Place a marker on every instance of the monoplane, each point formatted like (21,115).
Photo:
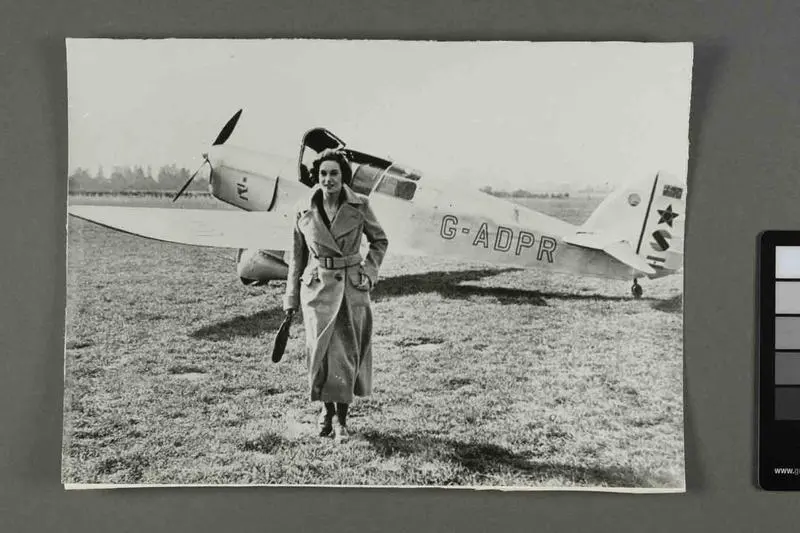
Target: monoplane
(636,232)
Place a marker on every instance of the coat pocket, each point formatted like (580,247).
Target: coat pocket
(311,288)
(355,274)
(309,276)
(358,295)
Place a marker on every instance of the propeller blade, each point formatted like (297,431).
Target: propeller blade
(227,129)
(189,181)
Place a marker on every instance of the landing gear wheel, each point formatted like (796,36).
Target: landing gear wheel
(636,290)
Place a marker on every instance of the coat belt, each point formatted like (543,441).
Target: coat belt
(335,263)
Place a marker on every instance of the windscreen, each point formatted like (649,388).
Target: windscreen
(399,182)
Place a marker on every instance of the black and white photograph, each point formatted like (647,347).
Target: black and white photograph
(360,263)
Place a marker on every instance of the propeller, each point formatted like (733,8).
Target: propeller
(189,181)
(224,133)
(227,129)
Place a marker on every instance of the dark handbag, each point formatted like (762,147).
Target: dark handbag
(279,345)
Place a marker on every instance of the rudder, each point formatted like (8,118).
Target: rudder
(648,214)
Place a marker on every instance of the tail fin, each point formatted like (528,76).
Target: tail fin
(650,215)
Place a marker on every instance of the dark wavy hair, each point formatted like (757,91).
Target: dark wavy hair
(333,155)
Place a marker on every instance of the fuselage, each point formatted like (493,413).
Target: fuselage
(420,217)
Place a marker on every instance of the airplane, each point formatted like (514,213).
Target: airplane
(636,232)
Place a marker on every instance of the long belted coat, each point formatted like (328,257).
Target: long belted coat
(336,313)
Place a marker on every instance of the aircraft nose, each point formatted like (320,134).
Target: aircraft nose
(212,163)
(211,177)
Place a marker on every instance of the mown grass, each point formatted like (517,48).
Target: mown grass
(483,376)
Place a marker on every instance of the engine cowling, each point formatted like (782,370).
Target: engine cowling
(258,267)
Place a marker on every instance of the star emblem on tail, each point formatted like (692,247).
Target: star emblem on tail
(667,215)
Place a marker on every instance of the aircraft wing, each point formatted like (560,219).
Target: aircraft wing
(619,250)
(198,227)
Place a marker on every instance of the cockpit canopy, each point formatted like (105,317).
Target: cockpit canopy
(370,173)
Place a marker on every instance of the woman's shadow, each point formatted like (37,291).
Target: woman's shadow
(253,325)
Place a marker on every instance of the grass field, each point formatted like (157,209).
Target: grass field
(483,376)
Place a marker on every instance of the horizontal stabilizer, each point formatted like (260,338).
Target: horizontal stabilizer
(619,250)
(197,227)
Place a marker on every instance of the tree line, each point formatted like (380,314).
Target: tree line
(522,193)
(135,178)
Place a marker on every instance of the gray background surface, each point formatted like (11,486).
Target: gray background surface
(743,178)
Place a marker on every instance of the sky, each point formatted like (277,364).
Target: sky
(505,114)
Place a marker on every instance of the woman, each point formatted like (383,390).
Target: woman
(331,281)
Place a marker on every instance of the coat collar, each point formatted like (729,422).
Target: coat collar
(350,197)
(348,218)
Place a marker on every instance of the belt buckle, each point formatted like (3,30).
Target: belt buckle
(329,262)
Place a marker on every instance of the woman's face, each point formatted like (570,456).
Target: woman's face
(330,178)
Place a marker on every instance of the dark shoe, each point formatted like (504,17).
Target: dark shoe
(325,425)
(340,433)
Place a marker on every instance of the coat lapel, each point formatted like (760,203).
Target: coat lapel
(347,219)
(315,229)
(349,216)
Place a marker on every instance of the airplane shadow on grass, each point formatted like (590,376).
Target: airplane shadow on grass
(490,459)
(449,285)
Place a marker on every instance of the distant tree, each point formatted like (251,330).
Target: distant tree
(168,177)
(134,178)
(118,181)
(80,180)
(143,182)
